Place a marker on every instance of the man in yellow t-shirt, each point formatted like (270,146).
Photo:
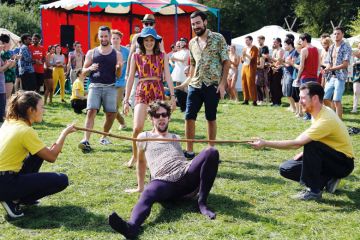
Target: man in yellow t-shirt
(328,153)
(78,98)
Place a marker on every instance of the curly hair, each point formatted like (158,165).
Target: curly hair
(156,105)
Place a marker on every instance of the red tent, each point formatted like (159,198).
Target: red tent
(67,21)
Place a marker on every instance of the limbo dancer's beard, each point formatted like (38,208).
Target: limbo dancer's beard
(162,128)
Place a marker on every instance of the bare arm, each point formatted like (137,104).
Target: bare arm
(131,51)
(169,81)
(119,64)
(300,141)
(51,154)
(129,84)
(88,64)
(303,56)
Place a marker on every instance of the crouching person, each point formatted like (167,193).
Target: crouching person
(328,153)
(22,154)
(78,97)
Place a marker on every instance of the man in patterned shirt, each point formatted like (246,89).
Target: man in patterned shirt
(209,66)
(337,60)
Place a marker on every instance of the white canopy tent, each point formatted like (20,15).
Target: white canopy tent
(14,39)
(269,32)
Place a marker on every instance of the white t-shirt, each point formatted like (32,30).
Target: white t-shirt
(178,74)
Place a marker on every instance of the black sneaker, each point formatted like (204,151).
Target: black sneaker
(246,102)
(332,184)
(189,155)
(85,146)
(12,209)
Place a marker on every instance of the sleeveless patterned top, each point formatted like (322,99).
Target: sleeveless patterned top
(149,65)
(165,160)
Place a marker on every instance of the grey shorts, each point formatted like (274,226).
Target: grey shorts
(105,95)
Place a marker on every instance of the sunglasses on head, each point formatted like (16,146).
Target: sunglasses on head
(157,115)
(148,23)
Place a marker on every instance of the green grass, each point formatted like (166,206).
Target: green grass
(249,196)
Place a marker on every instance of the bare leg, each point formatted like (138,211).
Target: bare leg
(338,108)
(9,89)
(109,120)
(119,117)
(292,104)
(139,120)
(212,131)
(89,122)
(190,133)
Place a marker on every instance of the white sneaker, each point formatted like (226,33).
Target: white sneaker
(353,111)
(122,126)
(105,141)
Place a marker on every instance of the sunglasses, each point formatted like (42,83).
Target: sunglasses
(149,24)
(157,115)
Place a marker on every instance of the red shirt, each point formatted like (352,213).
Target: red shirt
(311,64)
(38,53)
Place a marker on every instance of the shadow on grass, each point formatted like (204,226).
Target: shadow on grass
(49,125)
(220,204)
(73,218)
(249,165)
(241,177)
(351,205)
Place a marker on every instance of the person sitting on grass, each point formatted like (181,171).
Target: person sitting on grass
(172,176)
(22,154)
(78,97)
(328,153)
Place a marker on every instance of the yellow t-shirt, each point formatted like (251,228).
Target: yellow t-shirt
(17,140)
(330,130)
(77,85)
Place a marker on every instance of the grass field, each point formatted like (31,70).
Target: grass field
(250,198)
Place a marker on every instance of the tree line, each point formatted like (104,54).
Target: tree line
(237,16)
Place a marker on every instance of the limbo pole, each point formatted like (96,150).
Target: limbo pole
(161,139)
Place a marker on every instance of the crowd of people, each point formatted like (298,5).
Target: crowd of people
(195,73)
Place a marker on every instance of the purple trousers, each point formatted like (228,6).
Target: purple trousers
(201,174)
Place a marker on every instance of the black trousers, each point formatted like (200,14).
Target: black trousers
(275,86)
(78,105)
(181,97)
(28,81)
(29,185)
(318,165)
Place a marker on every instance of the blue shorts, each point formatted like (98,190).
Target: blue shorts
(197,96)
(334,88)
(107,96)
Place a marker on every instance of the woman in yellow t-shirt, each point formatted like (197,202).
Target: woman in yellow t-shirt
(78,97)
(22,154)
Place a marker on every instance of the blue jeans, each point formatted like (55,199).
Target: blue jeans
(29,185)
(334,89)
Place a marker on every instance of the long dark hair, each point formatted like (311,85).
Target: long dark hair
(19,103)
(156,49)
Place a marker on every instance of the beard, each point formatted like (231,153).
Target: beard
(200,31)
(162,127)
(104,43)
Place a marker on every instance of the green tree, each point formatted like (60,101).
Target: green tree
(355,25)
(19,20)
(315,16)
(244,16)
